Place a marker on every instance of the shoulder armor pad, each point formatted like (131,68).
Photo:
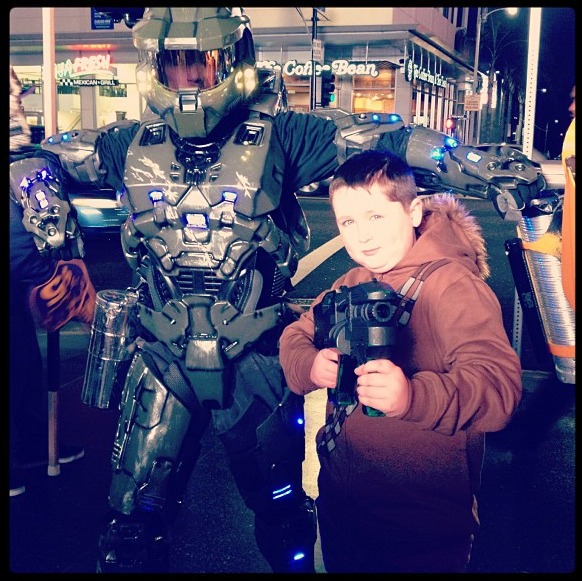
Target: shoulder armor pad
(272,96)
(361,131)
(47,213)
(77,152)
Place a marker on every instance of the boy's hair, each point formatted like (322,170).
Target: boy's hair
(362,170)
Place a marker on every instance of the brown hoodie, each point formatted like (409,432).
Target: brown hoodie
(417,475)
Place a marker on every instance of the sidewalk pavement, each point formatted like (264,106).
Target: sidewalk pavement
(527,500)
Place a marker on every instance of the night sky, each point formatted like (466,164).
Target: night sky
(556,73)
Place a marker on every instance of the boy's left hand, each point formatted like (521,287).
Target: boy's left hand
(383,386)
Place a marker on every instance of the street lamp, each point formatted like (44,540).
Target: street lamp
(482,16)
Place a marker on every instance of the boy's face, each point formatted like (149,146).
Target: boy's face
(377,233)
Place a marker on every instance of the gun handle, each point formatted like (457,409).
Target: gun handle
(345,386)
(385,353)
(372,412)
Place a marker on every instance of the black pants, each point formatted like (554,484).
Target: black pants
(349,545)
(28,403)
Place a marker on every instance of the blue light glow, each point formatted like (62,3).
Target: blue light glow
(438,153)
(300,421)
(394,118)
(41,199)
(66,136)
(156,196)
(298,556)
(196,221)
(229,196)
(281,492)
(451,142)
(375,117)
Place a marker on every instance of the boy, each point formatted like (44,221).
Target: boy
(397,493)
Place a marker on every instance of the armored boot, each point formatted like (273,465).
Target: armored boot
(134,544)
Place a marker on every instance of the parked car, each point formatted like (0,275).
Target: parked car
(99,210)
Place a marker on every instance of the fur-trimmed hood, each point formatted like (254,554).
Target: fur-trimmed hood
(448,229)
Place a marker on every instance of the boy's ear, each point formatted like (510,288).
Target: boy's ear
(416,212)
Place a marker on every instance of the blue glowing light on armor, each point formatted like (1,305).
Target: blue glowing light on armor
(474,157)
(451,142)
(299,556)
(394,118)
(438,153)
(281,492)
(40,197)
(229,196)
(196,221)
(375,117)
(66,136)
(300,421)
(156,196)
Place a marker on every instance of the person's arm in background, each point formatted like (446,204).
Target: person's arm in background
(58,290)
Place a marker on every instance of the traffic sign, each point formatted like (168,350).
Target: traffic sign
(317,47)
(473,102)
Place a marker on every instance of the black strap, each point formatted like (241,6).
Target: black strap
(410,290)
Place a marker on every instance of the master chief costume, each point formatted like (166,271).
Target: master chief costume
(214,236)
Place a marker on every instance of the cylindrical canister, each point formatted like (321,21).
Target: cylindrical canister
(113,330)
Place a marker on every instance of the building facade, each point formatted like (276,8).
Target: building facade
(390,60)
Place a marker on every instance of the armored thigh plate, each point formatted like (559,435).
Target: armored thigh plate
(148,443)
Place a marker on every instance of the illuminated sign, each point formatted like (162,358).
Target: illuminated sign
(338,67)
(87,71)
(414,72)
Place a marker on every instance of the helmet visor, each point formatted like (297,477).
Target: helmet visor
(192,69)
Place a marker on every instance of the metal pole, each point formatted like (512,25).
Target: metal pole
(53,366)
(49,93)
(312,83)
(535,18)
(477,116)
(49,84)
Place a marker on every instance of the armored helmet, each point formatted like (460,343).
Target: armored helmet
(196,65)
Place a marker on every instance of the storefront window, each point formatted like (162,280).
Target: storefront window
(375,94)
(120,101)
(297,92)
(68,100)
(113,91)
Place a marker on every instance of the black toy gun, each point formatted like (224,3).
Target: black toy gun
(359,322)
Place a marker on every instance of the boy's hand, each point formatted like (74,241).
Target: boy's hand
(324,368)
(383,386)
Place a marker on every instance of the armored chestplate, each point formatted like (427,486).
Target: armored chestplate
(202,237)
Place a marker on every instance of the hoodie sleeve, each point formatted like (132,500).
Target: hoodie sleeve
(297,352)
(468,374)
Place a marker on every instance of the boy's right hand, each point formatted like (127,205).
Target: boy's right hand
(324,369)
